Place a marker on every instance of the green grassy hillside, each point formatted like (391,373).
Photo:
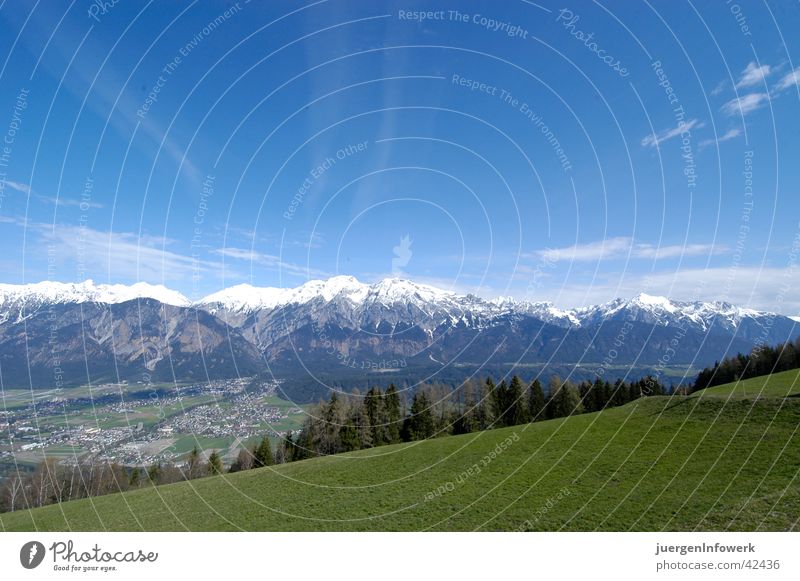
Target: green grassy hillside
(706,463)
(784,384)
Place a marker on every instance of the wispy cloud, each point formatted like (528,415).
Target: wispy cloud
(756,287)
(731,134)
(657,138)
(68,202)
(592,251)
(305,240)
(719,88)
(59,201)
(677,250)
(753,75)
(122,254)
(789,80)
(20,187)
(621,246)
(744,105)
(269,261)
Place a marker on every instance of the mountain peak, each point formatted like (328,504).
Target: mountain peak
(403,285)
(389,292)
(644,299)
(88,291)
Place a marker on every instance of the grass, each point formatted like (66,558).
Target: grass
(784,384)
(682,463)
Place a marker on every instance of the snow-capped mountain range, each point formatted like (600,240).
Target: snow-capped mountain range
(389,293)
(42,293)
(342,324)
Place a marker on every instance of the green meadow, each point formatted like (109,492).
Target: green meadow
(724,459)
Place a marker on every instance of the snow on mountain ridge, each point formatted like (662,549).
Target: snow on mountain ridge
(87,291)
(386,293)
(245,297)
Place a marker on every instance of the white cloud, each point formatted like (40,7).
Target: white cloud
(657,138)
(752,286)
(789,80)
(677,250)
(24,188)
(753,75)
(719,88)
(122,255)
(619,247)
(744,105)
(60,201)
(731,134)
(305,239)
(238,253)
(68,202)
(269,261)
(592,251)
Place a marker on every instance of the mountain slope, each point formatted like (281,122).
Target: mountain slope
(657,463)
(342,330)
(142,339)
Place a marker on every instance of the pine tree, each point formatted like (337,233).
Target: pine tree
(262,454)
(536,401)
(349,437)
(289,447)
(215,464)
(618,396)
(394,419)
(597,396)
(375,416)
(565,398)
(194,465)
(154,473)
(499,401)
(515,408)
(332,419)
(482,411)
(421,423)
(134,479)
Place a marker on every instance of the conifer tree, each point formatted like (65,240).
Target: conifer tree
(421,423)
(215,463)
(289,447)
(482,411)
(194,465)
(262,454)
(535,401)
(332,419)
(565,398)
(394,419)
(375,416)
(499,401)
(515,412)
(154,473)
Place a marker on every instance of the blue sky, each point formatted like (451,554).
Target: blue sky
(547,152)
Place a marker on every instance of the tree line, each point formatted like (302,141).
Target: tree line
(52,482)
(760,361)
(348,422)
(344,423)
